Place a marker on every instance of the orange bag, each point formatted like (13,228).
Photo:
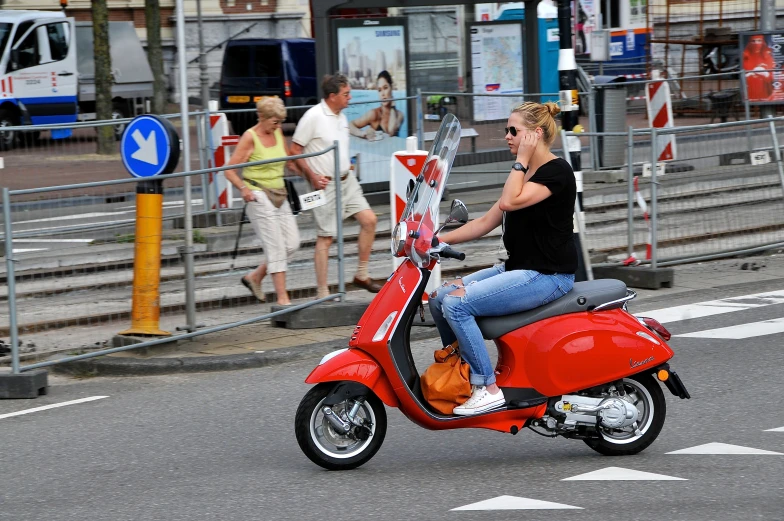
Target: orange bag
(445,384)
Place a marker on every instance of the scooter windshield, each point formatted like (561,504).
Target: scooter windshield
(421,212)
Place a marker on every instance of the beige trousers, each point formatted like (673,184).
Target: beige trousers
(277,229)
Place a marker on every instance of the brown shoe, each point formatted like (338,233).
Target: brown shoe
(254,288)
(367,284)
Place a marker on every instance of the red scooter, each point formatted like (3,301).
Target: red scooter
(580,367)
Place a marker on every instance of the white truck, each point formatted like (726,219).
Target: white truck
(47,72)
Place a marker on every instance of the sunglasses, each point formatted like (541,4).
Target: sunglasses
(510,130)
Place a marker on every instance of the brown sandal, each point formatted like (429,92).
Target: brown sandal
(255,289)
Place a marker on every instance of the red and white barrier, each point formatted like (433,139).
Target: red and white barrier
(632,260)
(659,103)
(219,189)
(406,166)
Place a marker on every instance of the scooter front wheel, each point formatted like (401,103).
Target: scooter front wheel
(331,447)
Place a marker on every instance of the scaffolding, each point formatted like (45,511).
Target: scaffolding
(698,40)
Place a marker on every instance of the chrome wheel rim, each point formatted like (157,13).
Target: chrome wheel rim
(637,395)
(6,136)
(334,444)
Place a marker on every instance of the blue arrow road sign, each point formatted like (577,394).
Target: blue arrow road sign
(150,146)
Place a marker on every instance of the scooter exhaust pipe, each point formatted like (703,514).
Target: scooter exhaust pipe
(336,421)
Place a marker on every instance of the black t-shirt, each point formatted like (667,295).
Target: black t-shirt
(541,237)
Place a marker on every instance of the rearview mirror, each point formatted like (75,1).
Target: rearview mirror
(15,56)
(457,213)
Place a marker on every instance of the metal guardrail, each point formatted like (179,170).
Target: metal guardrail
(666,199)
(8,237)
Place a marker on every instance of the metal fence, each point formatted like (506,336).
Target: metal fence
(720,196)
(723,195)
(69,266)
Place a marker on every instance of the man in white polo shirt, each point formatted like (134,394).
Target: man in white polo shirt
(318,128)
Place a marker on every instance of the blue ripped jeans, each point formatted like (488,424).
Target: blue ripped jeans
(490,292)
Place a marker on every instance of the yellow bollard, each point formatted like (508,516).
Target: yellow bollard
(146,309)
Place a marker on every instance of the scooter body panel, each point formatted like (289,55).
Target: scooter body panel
(568,353)
(356,366)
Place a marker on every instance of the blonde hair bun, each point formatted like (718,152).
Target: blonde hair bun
(553,108)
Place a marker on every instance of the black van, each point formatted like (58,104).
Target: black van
(257,67)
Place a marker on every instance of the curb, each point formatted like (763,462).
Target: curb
(125,366)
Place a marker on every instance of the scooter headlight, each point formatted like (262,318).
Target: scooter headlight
(399,239)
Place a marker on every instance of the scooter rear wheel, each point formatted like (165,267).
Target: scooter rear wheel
(646,394)
(327,447)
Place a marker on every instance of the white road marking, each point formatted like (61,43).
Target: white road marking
(82,241)
(715,307)
(52,406)
(780,429)
(28,250)
(725,448)
(752,329)
(621,474)
(515,503)
(71,216)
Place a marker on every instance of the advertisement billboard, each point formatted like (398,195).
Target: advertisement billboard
(373,54)
(496,67)
(761,58)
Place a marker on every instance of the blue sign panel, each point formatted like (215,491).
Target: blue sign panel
(150,146)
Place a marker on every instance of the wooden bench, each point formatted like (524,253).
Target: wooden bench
(464,132)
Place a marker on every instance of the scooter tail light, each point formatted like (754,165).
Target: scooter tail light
(384,327)
(655,326)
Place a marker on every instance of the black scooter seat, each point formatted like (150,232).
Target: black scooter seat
(584,296)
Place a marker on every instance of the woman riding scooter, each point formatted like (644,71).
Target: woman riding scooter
(536,210)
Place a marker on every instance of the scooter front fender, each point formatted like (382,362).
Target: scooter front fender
(356,366)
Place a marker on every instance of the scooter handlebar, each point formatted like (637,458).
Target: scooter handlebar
(449,253)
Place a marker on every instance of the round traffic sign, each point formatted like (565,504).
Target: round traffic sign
(150,146)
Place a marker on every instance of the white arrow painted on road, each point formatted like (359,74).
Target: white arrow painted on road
(147,153)
(780,429)
(621,474)
(515,503)
(725,448)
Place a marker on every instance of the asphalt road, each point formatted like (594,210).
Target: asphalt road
(221,446)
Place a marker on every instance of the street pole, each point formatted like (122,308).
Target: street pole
(567,84)
(767,23)
(187,254)
(204,78)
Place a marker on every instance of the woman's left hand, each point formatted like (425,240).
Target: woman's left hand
(525,150)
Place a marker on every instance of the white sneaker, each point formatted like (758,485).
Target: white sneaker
(481,400)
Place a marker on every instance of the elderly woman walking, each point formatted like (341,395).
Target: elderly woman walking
(264,191)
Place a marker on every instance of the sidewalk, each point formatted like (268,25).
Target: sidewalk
(264,344)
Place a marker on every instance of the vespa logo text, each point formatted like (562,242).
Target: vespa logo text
(400,281)
(634,364)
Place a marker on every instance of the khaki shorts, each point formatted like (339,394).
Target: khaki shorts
(353,202)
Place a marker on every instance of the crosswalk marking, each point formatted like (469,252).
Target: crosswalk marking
(725,448)
(716,307)
(622,474)
(752,329)
(516,503)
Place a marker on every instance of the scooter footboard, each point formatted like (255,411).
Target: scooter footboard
(354,365)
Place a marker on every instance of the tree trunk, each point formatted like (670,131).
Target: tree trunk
(103,76)
(152,14)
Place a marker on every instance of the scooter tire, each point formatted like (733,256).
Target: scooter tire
(306,414)
(604,446)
